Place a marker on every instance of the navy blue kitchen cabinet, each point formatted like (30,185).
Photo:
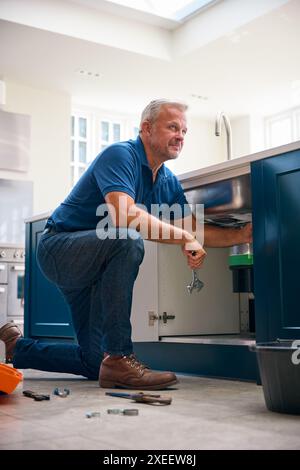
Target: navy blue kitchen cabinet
(276,224)
(46,313)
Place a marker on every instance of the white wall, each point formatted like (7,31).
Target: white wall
(241,136)
(247,135)
(201,148)
(257,133)
(50,142)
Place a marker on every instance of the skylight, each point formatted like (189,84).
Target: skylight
(176,10)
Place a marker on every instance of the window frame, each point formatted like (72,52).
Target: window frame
(294,115)
(94,117)
(111,122)
(75,163)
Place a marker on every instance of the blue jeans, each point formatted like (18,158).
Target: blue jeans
(96,278)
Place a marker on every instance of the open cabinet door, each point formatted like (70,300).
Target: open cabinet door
(144,314)
(276,224)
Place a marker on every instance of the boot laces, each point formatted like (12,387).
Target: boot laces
(133,361)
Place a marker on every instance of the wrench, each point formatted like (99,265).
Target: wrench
(195,282)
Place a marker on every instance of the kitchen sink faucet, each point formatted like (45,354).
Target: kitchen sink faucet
(218,123)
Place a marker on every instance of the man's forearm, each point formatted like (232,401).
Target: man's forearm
(125,213)
(221,237)
(217,237)
(152,228)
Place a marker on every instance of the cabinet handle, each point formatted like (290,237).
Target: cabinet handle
(165,317)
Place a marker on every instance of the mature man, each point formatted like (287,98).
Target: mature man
(83,262)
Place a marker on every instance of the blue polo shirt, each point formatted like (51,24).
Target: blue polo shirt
(123,167)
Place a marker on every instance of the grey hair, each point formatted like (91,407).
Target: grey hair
(152,110)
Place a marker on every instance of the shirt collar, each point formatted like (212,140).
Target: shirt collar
(144,160)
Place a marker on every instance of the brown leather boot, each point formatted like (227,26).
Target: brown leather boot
(129,372)
(9,334)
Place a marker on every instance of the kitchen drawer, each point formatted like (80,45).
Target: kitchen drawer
(3,273)
(15,299)
(3,304)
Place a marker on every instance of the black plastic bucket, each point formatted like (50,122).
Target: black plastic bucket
(279,366)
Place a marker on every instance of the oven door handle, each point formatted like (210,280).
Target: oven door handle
(18,267)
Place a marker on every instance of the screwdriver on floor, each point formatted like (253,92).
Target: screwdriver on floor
(142,398)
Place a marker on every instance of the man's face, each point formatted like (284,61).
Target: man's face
(167,133)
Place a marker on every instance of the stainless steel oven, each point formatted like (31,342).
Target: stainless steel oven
(12,275)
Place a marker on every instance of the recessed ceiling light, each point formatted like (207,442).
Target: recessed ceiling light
(88,73)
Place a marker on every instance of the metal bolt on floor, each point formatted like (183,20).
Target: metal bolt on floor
(92,414)
(126,411)
(61,393)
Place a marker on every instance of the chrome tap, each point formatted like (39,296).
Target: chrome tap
(219,117)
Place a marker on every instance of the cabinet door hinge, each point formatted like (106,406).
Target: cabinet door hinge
(152,317)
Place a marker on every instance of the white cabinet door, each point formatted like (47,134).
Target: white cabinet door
(161,287)
(145,297)
(213,310)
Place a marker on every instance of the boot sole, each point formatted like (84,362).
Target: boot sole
(105,384)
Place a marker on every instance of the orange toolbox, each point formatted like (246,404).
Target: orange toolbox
(9,378)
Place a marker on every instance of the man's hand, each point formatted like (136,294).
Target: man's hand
(195,254)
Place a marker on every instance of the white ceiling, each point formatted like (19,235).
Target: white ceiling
(253,69)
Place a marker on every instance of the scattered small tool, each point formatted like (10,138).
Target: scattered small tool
(92,414)
(195,282)
(35,396)
(61,393)
(141,397)
(126,411)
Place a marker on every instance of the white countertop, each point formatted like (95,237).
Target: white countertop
(218,172)
(35,218)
